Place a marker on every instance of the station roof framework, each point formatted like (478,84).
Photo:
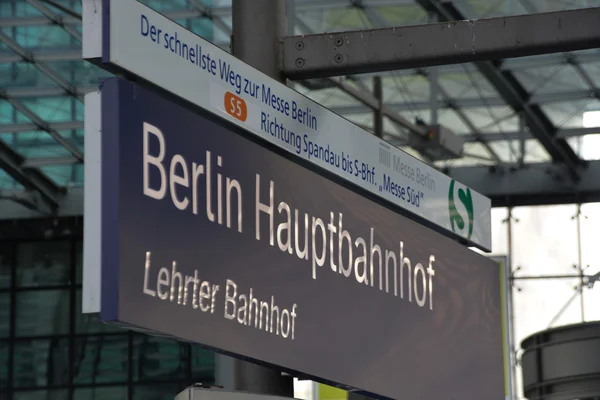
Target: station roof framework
(43,80)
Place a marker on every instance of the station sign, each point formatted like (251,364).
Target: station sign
(209,237)
(128,37)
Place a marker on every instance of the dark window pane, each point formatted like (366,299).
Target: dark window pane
(101,359)
(79,262)
(4,315)
(43,263)
(6,263)
(101,393)
(158,359)
(90,323)
(203,364)
(4,348)
(40,363)
(157,392)
(60,394)
(42,312)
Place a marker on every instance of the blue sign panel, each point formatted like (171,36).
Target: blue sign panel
(211,238)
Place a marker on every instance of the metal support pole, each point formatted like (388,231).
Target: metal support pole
(433,85)
(521,140)
(378,112)
(509,307)
(580,267)
(258,26)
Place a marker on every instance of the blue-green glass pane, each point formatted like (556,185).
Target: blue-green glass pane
(43,37)
(78,174)
(42,312)
(6,112)
(161,5)
(27,75)
(22,9)
(62,175)
(158,359)
(43,263)
(203,364)
(101,393)
(51,109)
(5,70)
(203,27)
(101,359)
(38,144)
(40,363)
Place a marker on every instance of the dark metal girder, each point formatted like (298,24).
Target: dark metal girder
(30,178)
(452,41)
(561,27)
(536,184)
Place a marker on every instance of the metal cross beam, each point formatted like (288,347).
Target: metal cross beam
(30,178)
(450,42)
(537,184)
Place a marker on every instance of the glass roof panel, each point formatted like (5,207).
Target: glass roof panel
(587,147)
(52,109)
(492,119)
(560,5)
(551,79)
(36,144)
(570,114)
(460,84)
(25,75)
(489,8)
(402,14)
(42,37)
(450,119)
(507,151)
(535,152)
(7,112)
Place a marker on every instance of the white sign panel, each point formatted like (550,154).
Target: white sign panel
(151,46)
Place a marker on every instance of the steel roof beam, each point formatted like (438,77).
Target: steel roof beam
(30,127)
(43,125)
(30,178)
(471,102)
(517,135)
(537,184)
(453,41)
(46,91)
(43,56)
(56,18)
(27,56)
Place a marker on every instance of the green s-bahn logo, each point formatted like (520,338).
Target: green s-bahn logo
(456,219)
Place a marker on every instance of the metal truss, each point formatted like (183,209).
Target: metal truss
(31,178)
(535,184)
(454,40)
(570,37)
(494,39)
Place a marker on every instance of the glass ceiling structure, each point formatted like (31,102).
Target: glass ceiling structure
(43,81)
